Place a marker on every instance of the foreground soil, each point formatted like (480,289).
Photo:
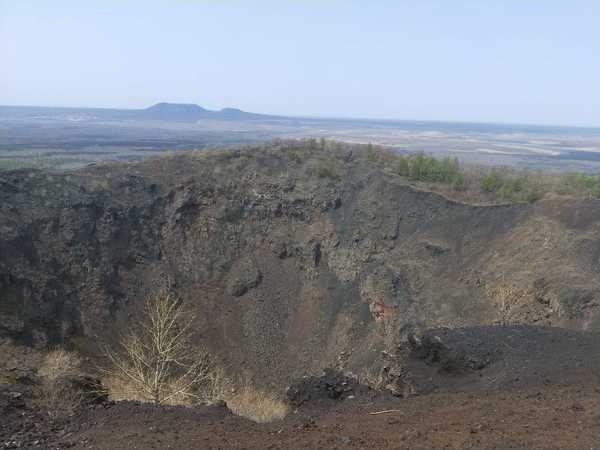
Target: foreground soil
(482,387)
(554,416)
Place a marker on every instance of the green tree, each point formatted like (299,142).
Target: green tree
(491,182)
(402,167)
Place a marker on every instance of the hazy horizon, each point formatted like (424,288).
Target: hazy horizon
(319,117)
(514,63)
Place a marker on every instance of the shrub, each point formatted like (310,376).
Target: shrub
(479,183)
(421,167)
(491,182)
(533,196)
(371,376)
(256,405)
(371,153)
(58,398)
(156,362)
(59,363)
(459,183)
(582,184)
(295,156)
(324,170)
(402,167)
(56,394)
(212,390)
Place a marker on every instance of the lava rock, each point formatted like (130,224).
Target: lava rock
(331,385)
(244,277)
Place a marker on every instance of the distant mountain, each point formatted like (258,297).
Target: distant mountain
(177,111)
(192,112)
(166,112)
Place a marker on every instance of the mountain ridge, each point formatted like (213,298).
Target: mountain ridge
(192,111)
(164,111)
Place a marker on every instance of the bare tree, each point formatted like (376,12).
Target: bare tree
(156,358)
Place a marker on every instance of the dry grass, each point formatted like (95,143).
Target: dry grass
(214,390)
(370,376)
(59,363)
(120,388)
(56,395)
(58,398)
(261,407)
(256,405)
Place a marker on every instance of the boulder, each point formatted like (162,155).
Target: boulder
(242,278)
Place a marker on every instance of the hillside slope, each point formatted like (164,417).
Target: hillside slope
(289,253)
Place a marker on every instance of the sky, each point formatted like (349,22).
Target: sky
(521,61)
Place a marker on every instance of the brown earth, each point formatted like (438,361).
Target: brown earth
(545,417)
(550,417)
(538,388)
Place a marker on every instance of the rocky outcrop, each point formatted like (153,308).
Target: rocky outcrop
(330,385)
(243,277)
(285,265)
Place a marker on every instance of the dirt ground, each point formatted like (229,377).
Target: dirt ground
(554,416)
(550,417)
(540,388)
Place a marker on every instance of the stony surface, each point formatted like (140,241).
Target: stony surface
(538,390)
(548,417)
(289,254)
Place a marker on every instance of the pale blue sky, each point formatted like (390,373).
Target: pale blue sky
(479,60)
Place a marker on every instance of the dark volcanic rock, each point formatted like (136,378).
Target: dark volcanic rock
(331,385)
(434,351)
(495,358)
(343,259)
(243,277)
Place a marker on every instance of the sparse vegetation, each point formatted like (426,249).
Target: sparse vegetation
(256,405)
(481,184)
(12,164)
(371,154)
(36,162)
(330,160)
(325,170)
(59,363)
(156,361)
(421,167)
(370,376)
(55,394)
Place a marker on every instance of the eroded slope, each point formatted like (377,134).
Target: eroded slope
(290,254)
